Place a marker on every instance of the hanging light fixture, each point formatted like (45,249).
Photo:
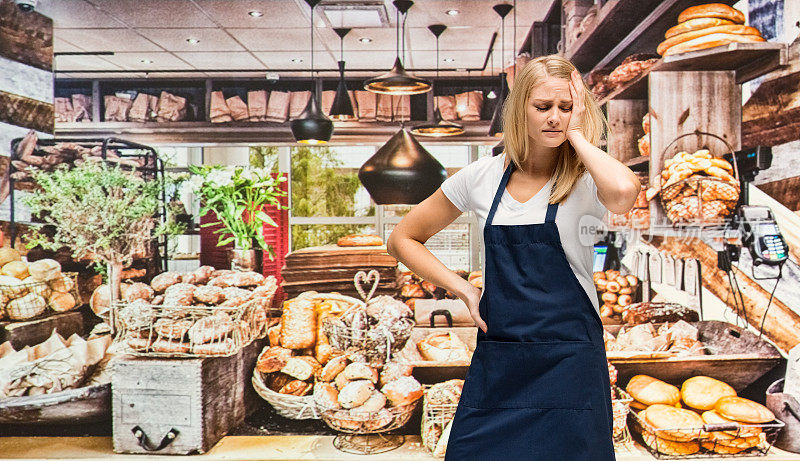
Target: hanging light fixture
(401,172)
(397,81)
(439,128)
(496,128)
(312,126)
(342,108)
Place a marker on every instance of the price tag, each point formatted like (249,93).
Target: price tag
(668,270)
(679,274)
(641,265)
(655,267)
(690,273)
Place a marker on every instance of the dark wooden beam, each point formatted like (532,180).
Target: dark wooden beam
(786,191)
(26,37)
(26,112)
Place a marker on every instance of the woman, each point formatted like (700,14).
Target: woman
(538,386)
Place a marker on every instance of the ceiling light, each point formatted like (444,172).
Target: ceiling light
(312,126)
(496,127)
(397,81)
(342,107)
(146,61)
(439,128)
(448,59)
(256,14)
(297,60)
(365,40)
(491,95)
(193,41)
(453,12)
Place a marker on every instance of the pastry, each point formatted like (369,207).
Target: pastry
(211,328)
(272,359)
(402,391)
(170,346)
(274,335)
(138,344)
(296,387)
(677,424)
(331,369)
(712,10)
(224,347)
(651,391)
(179,294)
(441,444)
(359,240)
(356,371)
(445,393)
(444,347)
(702,392)
(341,381)
(298,324)
(165,280)
(743,410)
(208,294)
(412,290)
(174,329)
(355,393)
(245,279)
(235,296)
(138,290)
(326,396)
(394,370)
(203,274)
(299,368)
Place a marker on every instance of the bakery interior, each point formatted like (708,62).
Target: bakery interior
(196,196)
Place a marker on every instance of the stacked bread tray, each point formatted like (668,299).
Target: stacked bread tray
(331,268)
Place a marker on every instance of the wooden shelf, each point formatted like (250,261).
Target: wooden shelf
(638,163)
(625,27)
(235,133)
(634,89)
(748,60)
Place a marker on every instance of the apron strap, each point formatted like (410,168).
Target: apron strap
(551,213)
(499,194)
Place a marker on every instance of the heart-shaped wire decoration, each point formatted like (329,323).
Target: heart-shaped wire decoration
(362,277)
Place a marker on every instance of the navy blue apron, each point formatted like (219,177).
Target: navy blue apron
(538,386)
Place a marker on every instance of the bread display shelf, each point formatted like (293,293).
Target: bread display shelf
(738,357)
(431,372)
(70,406)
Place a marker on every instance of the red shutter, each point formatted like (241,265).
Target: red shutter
(210,253)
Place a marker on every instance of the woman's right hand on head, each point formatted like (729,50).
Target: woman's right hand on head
(472,298)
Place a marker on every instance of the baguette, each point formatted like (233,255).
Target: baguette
(696,24)
(711,41)
(685,37)
(712,10)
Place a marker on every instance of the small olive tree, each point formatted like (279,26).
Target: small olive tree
(100,212)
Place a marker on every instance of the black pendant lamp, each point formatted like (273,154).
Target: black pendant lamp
(342,108)
(312,126)
(439,128)
(496,128)
(401,172)
(397,81)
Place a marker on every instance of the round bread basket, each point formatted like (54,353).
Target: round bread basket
(286,405)
(385,420)
(691,199)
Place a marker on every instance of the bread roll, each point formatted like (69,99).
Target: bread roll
(272,359)
(332,369)
(165,280)
(9,254)
(441,444)
(16,269)
(444,347)
(702,392)
(341,381)
(676,424)
(173,329)
(170,346)
(26,307)
(695,24)
(720,448)
(44,269)
(356,371)
(61,302)
(374,403)
(224,347)
(712,10)
(711,41)
(743,410)
(298,324)
(274,335)
(299,368)
(651,391)
(403,391)
(685,37)
(355,393)
(394,370)
(296,387)
(326,396)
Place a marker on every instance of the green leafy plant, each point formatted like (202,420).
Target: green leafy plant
(237,195)
(100,212)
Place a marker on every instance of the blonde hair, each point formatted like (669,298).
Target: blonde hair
(515,122)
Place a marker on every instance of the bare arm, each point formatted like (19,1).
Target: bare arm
(406,243)
(617,185)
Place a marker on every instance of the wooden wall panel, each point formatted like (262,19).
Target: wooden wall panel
(25,112)
(26,37)
(625,127)
(786,191)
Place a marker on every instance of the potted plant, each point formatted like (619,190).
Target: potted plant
(100,212)
(237,196)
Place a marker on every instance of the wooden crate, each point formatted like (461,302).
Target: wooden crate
(32,332)
(195,402)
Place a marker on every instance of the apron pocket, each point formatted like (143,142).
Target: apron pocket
(546,375)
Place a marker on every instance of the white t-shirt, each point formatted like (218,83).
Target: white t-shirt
(473,187)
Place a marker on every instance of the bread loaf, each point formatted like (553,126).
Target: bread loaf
(702,392)
(676,424)
(443,347)
(712,10)
(711,41)
(355,393)
(687,36)
(696,24)
(359,240)
(743,410)
(403,391)
(651,391)
(298,324)
(44,269)
(712,417)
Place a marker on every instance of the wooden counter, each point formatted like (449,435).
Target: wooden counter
(260,448)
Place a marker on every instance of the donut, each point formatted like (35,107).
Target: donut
(613,287)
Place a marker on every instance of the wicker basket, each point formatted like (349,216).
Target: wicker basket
(160,331)
(384,420)
(620,407)
(699,200)
(286,405)
(435,414)
(28,300)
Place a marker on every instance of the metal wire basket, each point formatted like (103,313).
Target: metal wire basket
(710,441)
(373,422)
(28,300)
(189,331)
(435,418)
(620,406)
(689,198)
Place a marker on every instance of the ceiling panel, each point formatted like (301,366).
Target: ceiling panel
(107,39)
(229,60)
(283,60)
(159,61)
(463,59)
(277,13)
(368,60)
(76,13)
(175,39)
(83,63)
(60,46)
(275,39)
(156,13)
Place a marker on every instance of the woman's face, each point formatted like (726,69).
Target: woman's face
(549,108)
